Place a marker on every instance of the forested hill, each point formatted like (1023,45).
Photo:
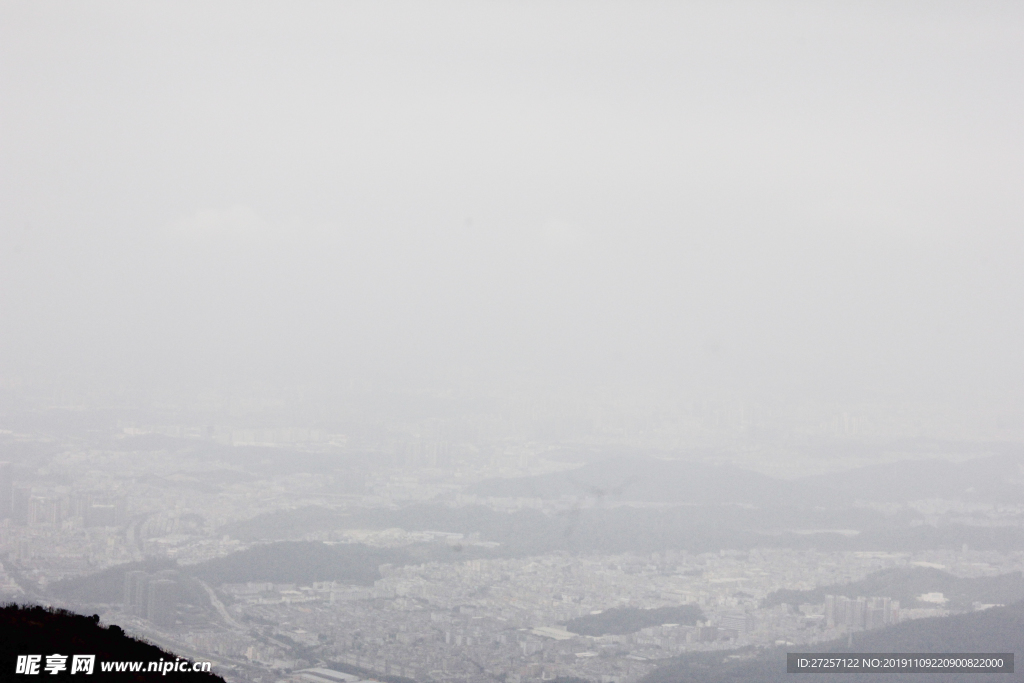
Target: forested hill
(43,631)
(286,562)
(611,530)
(300,561)
(623,620)
(993,478)
(906,584)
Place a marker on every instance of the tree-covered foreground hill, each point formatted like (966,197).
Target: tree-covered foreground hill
(34,630)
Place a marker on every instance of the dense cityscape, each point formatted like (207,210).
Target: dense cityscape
(115,502)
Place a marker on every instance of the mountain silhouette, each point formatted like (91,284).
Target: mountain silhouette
(34,630)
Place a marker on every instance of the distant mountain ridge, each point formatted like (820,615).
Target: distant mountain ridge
(647,479)
(696,528)
(994,478)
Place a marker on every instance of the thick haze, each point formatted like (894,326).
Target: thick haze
(802,199)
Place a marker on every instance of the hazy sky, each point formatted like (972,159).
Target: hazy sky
(814,198)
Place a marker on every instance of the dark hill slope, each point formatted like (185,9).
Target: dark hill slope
(107,586)
(38,630)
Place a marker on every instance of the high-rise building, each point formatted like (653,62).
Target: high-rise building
(879,613)
(20,498)
(78,504)
(161,607)
(838,611)
(860,613)
(860,606)
(45,511)
(6,489)
(136,593)
(100,515)
(830,611)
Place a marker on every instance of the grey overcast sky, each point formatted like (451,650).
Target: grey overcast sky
(811,199)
